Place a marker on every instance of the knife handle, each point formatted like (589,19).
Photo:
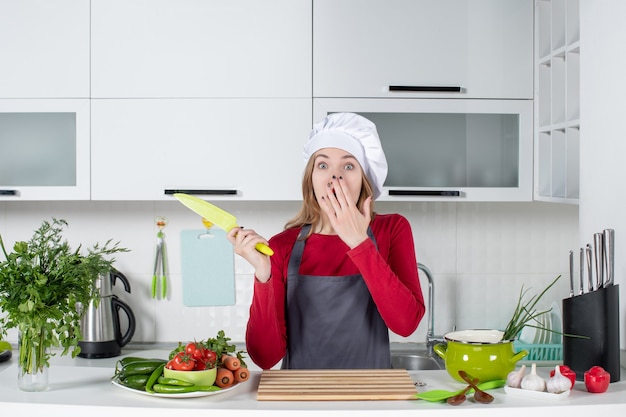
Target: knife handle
(582,271)
(571,273)
(264,249)
(598,244)
(609,253)
(589,269)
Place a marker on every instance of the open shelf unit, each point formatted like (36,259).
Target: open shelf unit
(557,100)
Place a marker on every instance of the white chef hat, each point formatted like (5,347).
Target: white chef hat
(354,134)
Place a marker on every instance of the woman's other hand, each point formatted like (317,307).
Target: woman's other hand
(244,242)
(347,220)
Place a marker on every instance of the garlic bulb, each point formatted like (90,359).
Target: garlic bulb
(558,383)
(514,378)
(533,381)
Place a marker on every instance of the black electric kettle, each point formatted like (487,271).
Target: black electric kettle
(100,324)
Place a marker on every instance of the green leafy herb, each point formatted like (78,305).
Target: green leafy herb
(41,282)
(525,312)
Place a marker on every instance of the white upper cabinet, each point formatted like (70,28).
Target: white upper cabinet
(201,48)
(44,149)
(483,48)
(233,149)
(44,49)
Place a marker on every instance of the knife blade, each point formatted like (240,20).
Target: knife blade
(571,274)
(217,216)
(598,245)
(609,255)
(589,269)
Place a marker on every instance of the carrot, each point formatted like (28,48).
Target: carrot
(230,362)
(241,374)
(225,378)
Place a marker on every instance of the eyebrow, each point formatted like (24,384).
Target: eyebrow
(347,156)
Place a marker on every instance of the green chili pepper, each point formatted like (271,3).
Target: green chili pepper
(139,368)
(154,377)
(135,381)
(171,381)
(177,389)
(131,359)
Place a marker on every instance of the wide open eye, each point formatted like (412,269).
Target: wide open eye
(322,165)
(349,167)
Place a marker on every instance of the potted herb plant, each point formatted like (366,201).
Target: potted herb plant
(41,282)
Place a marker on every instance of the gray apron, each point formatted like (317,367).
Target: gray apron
(332,321)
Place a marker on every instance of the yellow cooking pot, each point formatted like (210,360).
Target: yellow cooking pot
(481,353)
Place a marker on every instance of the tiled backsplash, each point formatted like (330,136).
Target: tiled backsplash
(480,254)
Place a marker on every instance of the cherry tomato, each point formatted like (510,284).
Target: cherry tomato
(194,350)
(183,362)
(200,366)
(597,379)
(210,356)
(566,372)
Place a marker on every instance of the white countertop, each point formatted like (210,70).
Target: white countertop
(84,385)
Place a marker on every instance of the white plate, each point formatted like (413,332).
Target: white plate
(539,323)
(547,326)
(527,334)
(557,325)
(536,395)
(183,395)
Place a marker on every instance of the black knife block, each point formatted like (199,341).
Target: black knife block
(596,315)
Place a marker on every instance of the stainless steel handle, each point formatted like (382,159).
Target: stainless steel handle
(589,268)
(582,272)
(609,255)
(571,273)
(598,245)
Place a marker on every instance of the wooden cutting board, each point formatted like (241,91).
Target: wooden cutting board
(336,385)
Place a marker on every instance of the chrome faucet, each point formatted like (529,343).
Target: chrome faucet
(431,339)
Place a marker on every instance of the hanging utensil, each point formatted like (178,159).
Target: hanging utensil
(598,245)
(609,255)
(159,276)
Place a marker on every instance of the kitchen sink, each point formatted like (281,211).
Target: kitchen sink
(413,362)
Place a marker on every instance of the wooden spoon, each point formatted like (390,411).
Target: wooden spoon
(479,395)
(460,397)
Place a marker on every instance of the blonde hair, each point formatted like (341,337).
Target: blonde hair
(310,212)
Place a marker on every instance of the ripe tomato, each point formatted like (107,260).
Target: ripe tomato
(210,356)
(183,362)
(195,350)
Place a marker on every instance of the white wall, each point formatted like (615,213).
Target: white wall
(603,142)
(479,253)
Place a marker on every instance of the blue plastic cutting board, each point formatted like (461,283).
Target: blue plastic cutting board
(208,268)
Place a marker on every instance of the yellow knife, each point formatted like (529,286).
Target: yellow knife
(217,216)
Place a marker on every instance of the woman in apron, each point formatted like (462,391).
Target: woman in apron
(341,275)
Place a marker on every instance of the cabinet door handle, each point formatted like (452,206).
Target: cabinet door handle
(427,193)
(9,193)
(426,88)
(201,192)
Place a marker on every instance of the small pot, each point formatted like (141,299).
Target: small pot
(481,353)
